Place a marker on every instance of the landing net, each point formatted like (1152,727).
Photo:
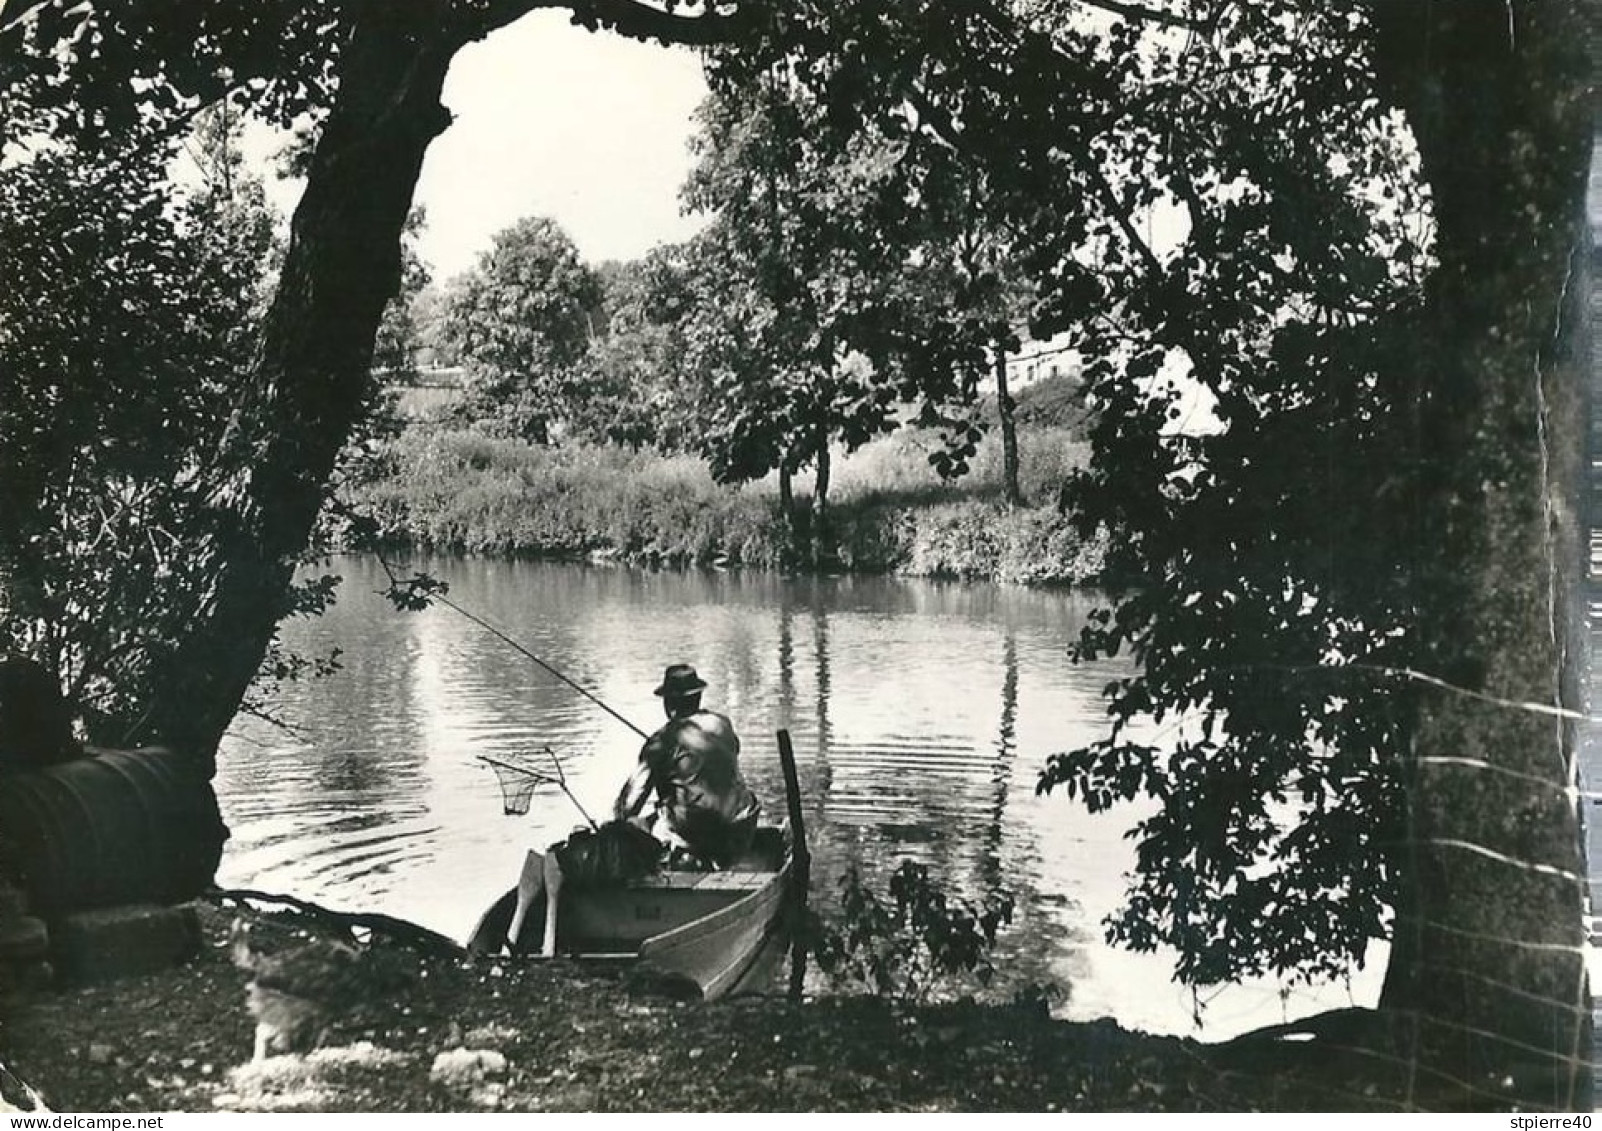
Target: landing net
(519,777)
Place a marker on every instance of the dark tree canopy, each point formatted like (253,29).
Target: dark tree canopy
(127,322)
(1212,206)
(1282,207)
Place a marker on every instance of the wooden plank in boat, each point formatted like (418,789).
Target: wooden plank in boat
(708,881)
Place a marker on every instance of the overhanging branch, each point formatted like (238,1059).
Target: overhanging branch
(700,24)
(713,24)
(1141,12)
(15,16)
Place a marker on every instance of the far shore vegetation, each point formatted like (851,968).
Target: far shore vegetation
(447,486)
(686,409)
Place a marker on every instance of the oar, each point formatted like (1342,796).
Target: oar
(800,867)
(529,885)
(553,896)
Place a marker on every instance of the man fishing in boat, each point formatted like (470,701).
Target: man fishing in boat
(707,905)
(691,765)
(704,819)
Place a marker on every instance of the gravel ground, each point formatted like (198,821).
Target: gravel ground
(479,1035)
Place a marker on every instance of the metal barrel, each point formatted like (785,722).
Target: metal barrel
(118,827)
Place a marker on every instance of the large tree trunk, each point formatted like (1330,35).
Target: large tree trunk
(1488,952)
(311,374)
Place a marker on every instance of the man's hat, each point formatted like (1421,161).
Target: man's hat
(680,680)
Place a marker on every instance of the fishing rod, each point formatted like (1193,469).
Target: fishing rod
(432,590)
(504,638)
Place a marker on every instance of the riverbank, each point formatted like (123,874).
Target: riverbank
(456,491)
(492,1036)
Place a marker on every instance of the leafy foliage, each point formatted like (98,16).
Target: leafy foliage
(908,945)
(521,322)
(805,287)
(1265,595)
(636,379)
(126,325)
(130,78)
(415,593)
(1215,204)
(131,323)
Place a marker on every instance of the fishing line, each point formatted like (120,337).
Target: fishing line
(504,638)
(436,595)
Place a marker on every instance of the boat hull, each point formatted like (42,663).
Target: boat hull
(719,933)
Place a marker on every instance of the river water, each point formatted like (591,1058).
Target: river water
(922,713)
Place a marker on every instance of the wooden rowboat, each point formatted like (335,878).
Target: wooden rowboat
(716,932)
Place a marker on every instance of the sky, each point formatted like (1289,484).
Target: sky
(587,128)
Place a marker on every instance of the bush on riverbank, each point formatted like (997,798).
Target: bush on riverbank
(463,492)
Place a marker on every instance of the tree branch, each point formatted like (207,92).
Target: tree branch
(637,19)
(942,127)
(644,21)
(1141,12)
(945,129)
(17,17)
(1120,214)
